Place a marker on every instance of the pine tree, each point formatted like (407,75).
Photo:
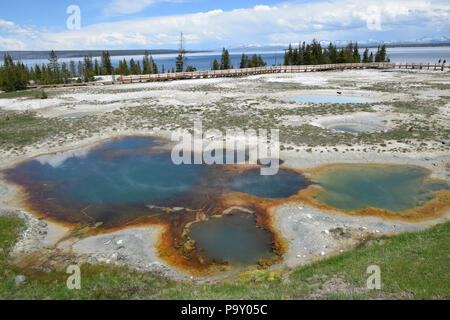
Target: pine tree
(134,69)
(243,64)
(300,54)
(13,76)
(356,56)
(123,68)
(215,65)
(332,53)
(96,67)
(80,69)
(88,69)
(146,69)
(307,58)
(348,53)
(37,76)
(225,62)
(106,65)
(45,75)
(313,53)
(153,66)
(383,53)
(295,57)
(377,55)
(53,68)
(180,59)
(179,62)
(366,56)
(261,62)
(288,56)
(316,53)
(73,71)
(341,58)
(65,73)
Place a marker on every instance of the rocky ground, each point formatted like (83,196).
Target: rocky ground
(313,234)
(408,124)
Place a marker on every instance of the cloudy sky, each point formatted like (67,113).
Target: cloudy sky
(139,24)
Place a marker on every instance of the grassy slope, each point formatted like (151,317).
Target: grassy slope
(413,265)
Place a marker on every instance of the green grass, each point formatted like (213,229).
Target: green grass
(18,129)
(413,266)
(32,94)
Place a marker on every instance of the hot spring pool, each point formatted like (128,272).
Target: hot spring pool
(234,238)
(440,82)
(395,188)
(132,181)
(77,115)
(283,185)
(356,127)
(331,99)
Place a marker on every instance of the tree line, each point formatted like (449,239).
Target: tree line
(17,76)
(314,53)
(246,62)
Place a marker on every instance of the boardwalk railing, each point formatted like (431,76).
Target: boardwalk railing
(253,71)
(426,66)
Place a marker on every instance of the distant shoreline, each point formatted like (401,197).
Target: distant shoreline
(446,44)
(43,54)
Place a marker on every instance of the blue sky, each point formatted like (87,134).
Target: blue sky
(52,14)
(130,24)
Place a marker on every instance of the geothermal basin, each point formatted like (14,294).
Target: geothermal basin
(211,214)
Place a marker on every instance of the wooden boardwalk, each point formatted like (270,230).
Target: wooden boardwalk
(252,71)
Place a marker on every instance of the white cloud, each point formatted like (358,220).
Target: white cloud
(11,44)
(121,7)
(11,27)
(289,22)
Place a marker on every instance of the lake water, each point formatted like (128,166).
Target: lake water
(204,60)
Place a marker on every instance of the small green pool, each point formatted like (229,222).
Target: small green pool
(395,188)
(234,238)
